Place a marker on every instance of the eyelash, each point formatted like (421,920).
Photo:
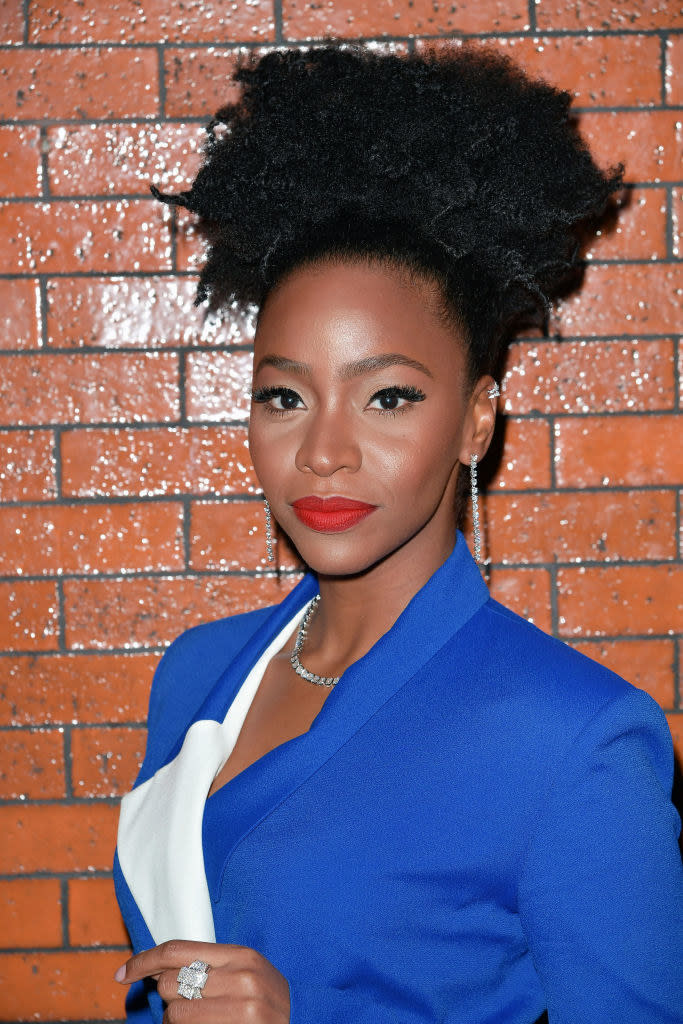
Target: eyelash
(262,396)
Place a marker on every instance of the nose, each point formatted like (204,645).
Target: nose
(329,445)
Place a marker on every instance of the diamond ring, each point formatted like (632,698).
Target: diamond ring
(192,979)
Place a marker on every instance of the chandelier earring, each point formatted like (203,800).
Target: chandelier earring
(269,531)
(476,528)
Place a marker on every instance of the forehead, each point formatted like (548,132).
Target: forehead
(341,311)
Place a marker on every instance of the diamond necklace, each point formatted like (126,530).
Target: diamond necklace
(299,643)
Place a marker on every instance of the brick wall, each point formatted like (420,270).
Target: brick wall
(127,513)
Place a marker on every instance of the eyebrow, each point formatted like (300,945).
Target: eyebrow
(357,368)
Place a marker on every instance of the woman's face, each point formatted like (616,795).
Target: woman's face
(360,394)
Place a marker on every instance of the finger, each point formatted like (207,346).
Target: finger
(244,976)
(175,953)
(219,1011)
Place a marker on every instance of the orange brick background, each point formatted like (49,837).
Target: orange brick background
(128,511)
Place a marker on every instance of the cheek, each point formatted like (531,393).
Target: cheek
(419,472)
(421,457)
(258,451)
(272,448)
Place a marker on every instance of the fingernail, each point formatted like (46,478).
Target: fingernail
(121,973)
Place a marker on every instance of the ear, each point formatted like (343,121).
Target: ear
(480,421)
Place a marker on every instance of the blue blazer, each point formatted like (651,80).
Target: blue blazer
(476,827)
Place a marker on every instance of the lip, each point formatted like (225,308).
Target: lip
(331,515)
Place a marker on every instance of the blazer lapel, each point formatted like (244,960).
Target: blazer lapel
(447,601)
(217,702)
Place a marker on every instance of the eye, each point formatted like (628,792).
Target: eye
(396,398)
(278,400)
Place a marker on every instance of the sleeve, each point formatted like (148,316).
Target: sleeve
(601,891)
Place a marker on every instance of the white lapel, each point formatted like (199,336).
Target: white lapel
(160,826)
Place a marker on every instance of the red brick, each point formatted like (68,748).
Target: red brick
(33,765)
(602,71)
(156,461)
(199,82)
(605,14)
(525,461)
(648,664)
(30,913)
(148,612)
(111,388)
(27,465)
(218,385)
(648,142)
(638,231)
(620,600)
(21,162)
(231,535)
(677,220)
(19,314)
(91,538)
(604,526)
(120,312)
(589,376)
(56,688)
(57,837)
(597,451)
(155,21)
(123,158)
(94,916)
(29,616)
(674,71)
(304,19)
(105,760)
(62,986)
(525,591)
(11,22)
(633,299)
(66,236)
(675,721)
(79,83)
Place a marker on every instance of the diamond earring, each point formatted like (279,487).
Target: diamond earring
(269,531)
(494,390)
(475,508)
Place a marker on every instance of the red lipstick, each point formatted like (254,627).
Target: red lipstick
(330,515)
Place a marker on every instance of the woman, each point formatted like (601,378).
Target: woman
(389,799)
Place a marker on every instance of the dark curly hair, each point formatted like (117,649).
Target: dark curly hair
(458,167)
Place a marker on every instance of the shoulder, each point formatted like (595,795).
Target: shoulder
(192,664)
(544,666)
(568,716)
(213,643)
(552,693)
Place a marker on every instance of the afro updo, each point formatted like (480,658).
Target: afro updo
(459,167)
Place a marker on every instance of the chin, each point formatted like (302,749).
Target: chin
(336,554)
(350,553)
(327,560)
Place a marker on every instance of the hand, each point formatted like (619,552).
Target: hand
(242,985)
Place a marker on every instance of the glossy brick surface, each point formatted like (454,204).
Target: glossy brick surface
(31,913)
(597,70)
(309,20)
(129,509)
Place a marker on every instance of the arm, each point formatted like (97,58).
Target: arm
(601,892)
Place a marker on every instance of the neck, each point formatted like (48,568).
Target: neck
(355,611)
